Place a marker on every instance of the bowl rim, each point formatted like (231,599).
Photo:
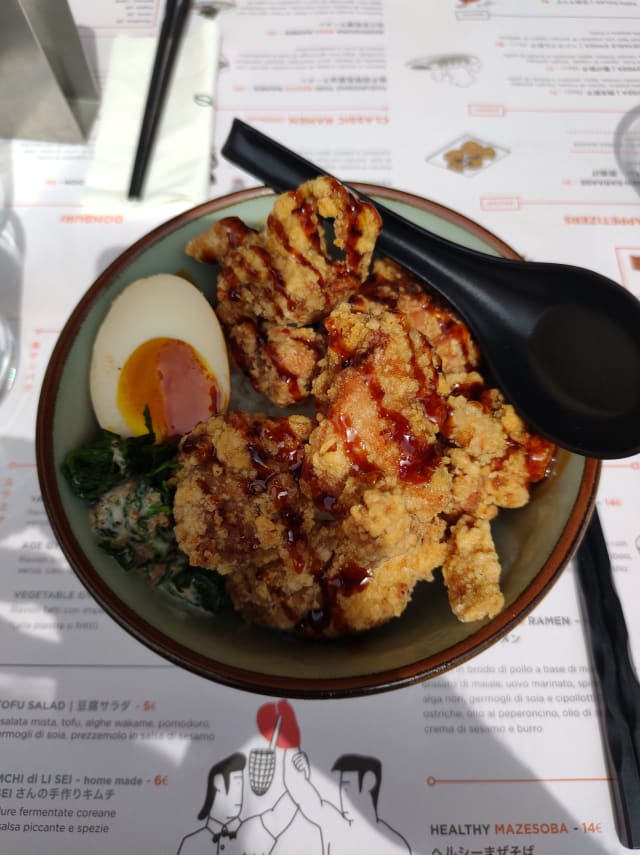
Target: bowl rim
(233,676)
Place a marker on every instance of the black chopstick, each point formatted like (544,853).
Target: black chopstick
(616,683)
(175,16)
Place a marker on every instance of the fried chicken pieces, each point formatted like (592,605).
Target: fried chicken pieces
(275,284)
(324,525)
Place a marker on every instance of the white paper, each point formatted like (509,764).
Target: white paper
(178,169)
(107,747)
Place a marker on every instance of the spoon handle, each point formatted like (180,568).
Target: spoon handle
(263,157)
(616,683)
(283,170)
(450,268)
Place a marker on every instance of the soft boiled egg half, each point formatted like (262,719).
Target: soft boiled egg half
(159,347)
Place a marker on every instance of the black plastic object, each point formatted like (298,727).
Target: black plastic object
(171,30)
(562,342)
(615,680)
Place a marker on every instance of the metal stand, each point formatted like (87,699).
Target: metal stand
(47,89)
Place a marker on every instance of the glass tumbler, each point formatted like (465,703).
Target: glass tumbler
(10,277)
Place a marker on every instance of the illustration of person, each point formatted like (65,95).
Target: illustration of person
(225,832)
(355,826)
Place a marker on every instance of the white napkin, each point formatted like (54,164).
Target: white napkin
(179,167)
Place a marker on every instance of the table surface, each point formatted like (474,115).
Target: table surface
(508,111)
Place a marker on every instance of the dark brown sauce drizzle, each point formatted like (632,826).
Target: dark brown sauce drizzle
(235,231)
(417,457)
(354,233)
(291,380)
(350,578)
(308,219)
(278,230)
(277,279)
(232,284)
(322,500)
(378,290)
(199,445)
(452,328)
(354,446)
(276,456)
(307,216)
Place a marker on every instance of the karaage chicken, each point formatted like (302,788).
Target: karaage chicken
(274,284)
(324,525)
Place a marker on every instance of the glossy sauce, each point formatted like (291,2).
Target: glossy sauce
(278,230)
(276,277)
(451,328)
(276,456)
(539,457)
(348,580)
(354,233)
(354,445)
(416,457)
(199,445)
(291,380)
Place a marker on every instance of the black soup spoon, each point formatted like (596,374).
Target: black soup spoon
(562,342)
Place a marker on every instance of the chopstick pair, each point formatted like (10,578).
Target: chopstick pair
(171,30)
(617,686)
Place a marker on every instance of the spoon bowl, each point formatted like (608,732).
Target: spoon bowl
(562,342)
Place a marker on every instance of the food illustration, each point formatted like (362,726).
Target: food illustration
(460,69)
(375,452)
(470,155)
(467,155)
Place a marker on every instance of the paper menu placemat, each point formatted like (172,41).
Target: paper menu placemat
(106,746)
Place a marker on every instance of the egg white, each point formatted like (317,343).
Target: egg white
(153,307)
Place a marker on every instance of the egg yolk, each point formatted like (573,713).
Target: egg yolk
(169,377)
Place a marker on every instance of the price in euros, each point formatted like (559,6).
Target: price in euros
(161,780)
(591,827)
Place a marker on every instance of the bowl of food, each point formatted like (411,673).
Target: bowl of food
(277,459)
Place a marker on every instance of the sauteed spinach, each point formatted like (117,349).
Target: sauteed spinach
(127,485)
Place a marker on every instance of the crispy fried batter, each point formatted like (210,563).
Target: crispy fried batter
(471,571)
(238,499)
(280,360)
(342,598)
(392,288)
(223,236)
(378,393)
(288,275)
(324,526)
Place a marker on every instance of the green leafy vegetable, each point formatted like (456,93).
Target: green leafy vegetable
(127,483)
(201,587)
(111,460)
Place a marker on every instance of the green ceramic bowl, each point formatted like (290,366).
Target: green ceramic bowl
(534,543)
